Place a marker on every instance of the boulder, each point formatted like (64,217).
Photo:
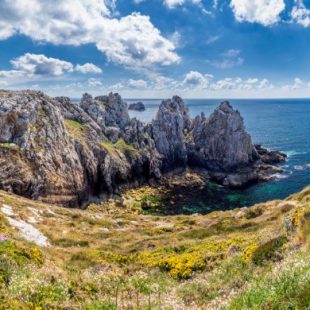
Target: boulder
(139,106)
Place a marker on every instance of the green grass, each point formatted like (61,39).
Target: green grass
(109,258)
(119,145)
(75,129)
(10,146)
(286,290)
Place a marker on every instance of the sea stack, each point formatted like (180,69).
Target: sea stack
(139,106)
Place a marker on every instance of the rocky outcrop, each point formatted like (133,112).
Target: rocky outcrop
(57,151)
(220,142)
(169,129)
(52,149)
(139,106)
(221,145)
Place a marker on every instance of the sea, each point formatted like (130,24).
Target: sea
(279,124)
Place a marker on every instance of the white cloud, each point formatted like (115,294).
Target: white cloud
(212,39)
(116,87)
(300,14)
(132,41)
(94,82)
(241,84)
(176,39)
(11,74)
(196,79)
(297,84)
(88,68)
(33,64)
(137,84)
(174,3)
(265,12)
(230,59)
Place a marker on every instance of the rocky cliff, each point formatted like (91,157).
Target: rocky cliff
(54,150)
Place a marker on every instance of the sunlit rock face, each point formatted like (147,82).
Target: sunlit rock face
(221,141)
(170,127)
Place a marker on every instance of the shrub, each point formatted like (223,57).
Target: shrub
(20,255)
(253,212)
(304,229)
(270,250)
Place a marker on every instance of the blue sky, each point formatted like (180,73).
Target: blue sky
(157,48)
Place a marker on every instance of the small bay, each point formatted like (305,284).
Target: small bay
(280,124)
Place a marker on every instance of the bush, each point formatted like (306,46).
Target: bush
(259,253)
(20,255)
(253,212)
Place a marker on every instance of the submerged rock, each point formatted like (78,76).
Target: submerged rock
(57,151)
(139,106)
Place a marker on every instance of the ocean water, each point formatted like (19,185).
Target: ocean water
(281,124)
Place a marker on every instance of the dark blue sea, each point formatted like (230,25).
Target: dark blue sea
(280,124)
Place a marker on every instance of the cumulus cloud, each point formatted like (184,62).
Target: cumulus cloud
(8,74)
(29,66)
(229,59)
(196,79)
(132,40)
(241,84)
(139,84)
(33,64)
(94,82)
(300,14)
(174,3)
(265,12)
(297,83)
(88,68)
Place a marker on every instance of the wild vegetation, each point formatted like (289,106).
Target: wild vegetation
(116,256)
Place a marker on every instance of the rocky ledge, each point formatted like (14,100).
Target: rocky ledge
(139,106)
(60,152)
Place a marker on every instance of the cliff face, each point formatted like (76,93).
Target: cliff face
(170,126)
(55,150)
(221,142)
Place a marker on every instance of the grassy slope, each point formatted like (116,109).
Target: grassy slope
(115,257)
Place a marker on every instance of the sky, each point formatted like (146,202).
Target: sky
(157,48)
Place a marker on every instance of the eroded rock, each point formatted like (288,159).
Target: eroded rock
(57,151)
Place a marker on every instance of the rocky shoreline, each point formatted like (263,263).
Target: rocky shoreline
(65,153)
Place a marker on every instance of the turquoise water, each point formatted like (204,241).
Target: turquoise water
(282,125)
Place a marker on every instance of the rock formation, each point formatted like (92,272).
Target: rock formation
(57,151)
(170,127)
(221,142)
(139,106)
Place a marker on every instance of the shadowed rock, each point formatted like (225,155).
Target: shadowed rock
(139,106)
